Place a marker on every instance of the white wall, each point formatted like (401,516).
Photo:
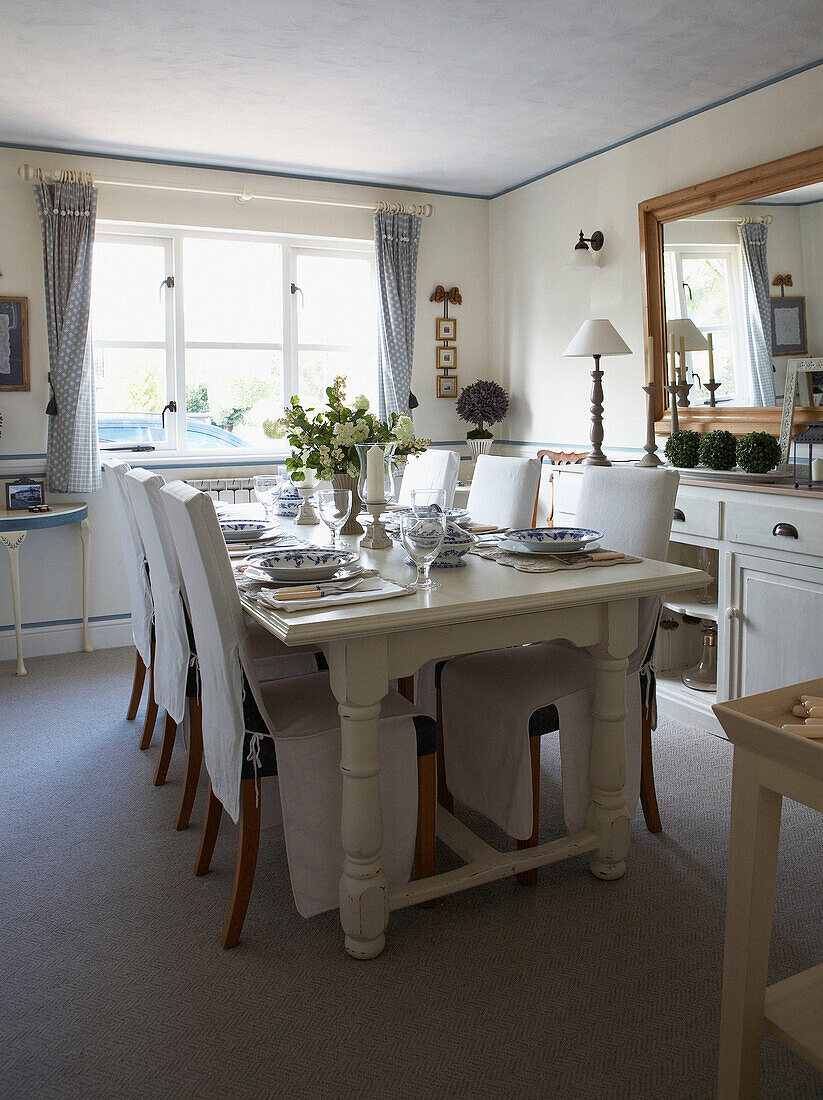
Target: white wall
(537,305)
(453,251)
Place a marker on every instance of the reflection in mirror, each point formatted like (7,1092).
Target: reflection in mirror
(750,279)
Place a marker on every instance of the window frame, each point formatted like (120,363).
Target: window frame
(291,246)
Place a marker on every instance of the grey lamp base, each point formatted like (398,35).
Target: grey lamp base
(596,460)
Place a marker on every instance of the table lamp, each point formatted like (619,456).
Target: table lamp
(597,338)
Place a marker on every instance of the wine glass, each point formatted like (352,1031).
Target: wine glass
(334,506)
(422,533)
(425,500)
(267,490)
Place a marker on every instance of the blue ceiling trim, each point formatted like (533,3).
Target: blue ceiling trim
(69,622)
(662,126)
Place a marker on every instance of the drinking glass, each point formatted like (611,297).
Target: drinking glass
(334,506)
(425,500)
(267,490)
(422,533)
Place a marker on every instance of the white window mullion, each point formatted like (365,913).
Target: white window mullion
(290,324)
(179,346)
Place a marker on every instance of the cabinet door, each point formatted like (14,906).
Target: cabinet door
(774,621)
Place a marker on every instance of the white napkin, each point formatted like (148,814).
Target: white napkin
(374,588)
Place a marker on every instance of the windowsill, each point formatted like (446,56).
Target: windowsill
(219,459)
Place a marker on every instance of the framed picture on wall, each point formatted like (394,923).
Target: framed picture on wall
(446,328)
(25,493)
(447,385)
(788,326)
(447,358)
(14,343)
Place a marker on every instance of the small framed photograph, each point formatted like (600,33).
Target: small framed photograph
(447,385)
(446,328)
(25,493)
(447,358)
(14,343)
(788,326)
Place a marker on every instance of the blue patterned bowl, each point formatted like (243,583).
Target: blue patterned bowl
(289,501)
(553,540)
(246,530)
(456,545)
(303,564)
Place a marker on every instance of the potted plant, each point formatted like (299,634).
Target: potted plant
(325,441)
(482,404)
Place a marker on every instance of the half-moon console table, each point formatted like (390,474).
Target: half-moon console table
(14,526)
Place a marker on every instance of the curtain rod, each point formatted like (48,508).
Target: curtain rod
(29,173)
(762,219)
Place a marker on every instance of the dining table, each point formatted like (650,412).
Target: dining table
(481,606)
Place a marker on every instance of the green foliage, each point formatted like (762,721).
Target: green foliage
(682,448)
(758,452)
(197,398)
(718,450)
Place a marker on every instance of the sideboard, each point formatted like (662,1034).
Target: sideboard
(765,545)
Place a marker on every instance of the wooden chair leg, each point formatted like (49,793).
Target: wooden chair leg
(425,847)
(208,837)
(248,844)
(648,795)
(529,878)
(136,687)
(151,708)
(405,685)
(444,796)
(166,748)
(193,764)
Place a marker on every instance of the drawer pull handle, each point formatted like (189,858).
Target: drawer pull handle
(732,612)
(680,515)
(787,529)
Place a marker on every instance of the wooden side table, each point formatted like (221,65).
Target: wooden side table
(14,526)
(768,765)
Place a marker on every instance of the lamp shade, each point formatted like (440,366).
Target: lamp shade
(684,328)
(597,338)
(581,259)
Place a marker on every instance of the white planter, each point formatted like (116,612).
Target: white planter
(479,447)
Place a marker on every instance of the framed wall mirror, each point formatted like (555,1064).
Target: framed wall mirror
(717,256)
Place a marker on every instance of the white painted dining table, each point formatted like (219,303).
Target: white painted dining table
(480,607)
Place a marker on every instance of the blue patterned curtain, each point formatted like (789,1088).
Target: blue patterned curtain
(758,312)
(68,212)
(396,242)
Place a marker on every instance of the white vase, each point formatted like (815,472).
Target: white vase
(479,447)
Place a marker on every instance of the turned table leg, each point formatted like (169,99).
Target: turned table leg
(359,680)
(13,540)
(85,540)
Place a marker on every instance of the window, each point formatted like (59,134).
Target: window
(220,329)
(705,284)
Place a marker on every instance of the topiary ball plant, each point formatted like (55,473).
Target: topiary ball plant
(758,452)
(482,404)
(718,450)
(682,448)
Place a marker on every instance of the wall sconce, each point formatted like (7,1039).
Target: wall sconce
(582,258)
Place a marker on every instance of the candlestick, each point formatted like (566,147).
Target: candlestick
(712,387)
(375,490)
(375,537)
(650,446)
(308,517)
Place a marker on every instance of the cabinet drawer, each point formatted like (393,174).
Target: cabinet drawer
(695,516)
(775,526)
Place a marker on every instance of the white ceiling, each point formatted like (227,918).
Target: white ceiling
(466,95)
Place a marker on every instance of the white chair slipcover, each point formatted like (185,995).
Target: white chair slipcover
(434,469)
(503,491)
(488,698)
(301,714)
(134,564)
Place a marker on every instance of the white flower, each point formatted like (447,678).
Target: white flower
(361,403)
(361,431)
(345,434)
(404,430)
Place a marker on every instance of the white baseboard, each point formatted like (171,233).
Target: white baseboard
(693,708)
(42,641)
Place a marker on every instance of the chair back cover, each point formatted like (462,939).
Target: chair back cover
(503,490)
(134,563)
(433,469)
(223,649)
(633,507)
(172,650)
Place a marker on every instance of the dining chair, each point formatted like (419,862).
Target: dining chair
(289,728)
(176,681)
(434,469)
(142,605)
(556,458)
(494,707)
(504,490)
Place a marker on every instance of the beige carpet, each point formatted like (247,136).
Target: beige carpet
(113,983)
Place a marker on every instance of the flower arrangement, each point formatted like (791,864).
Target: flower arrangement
(325,442)
(482,404)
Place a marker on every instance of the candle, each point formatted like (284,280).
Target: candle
(817,469)
(673,355)
(309,481)
(649,359)
(682,373)
(375,481)
(711,356)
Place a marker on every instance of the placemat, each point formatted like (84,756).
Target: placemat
(553,563)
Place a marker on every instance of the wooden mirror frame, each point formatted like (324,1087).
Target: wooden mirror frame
(785,174)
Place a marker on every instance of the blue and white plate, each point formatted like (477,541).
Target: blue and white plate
(247,530)
(553,540)
(300,564)
(344,573)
